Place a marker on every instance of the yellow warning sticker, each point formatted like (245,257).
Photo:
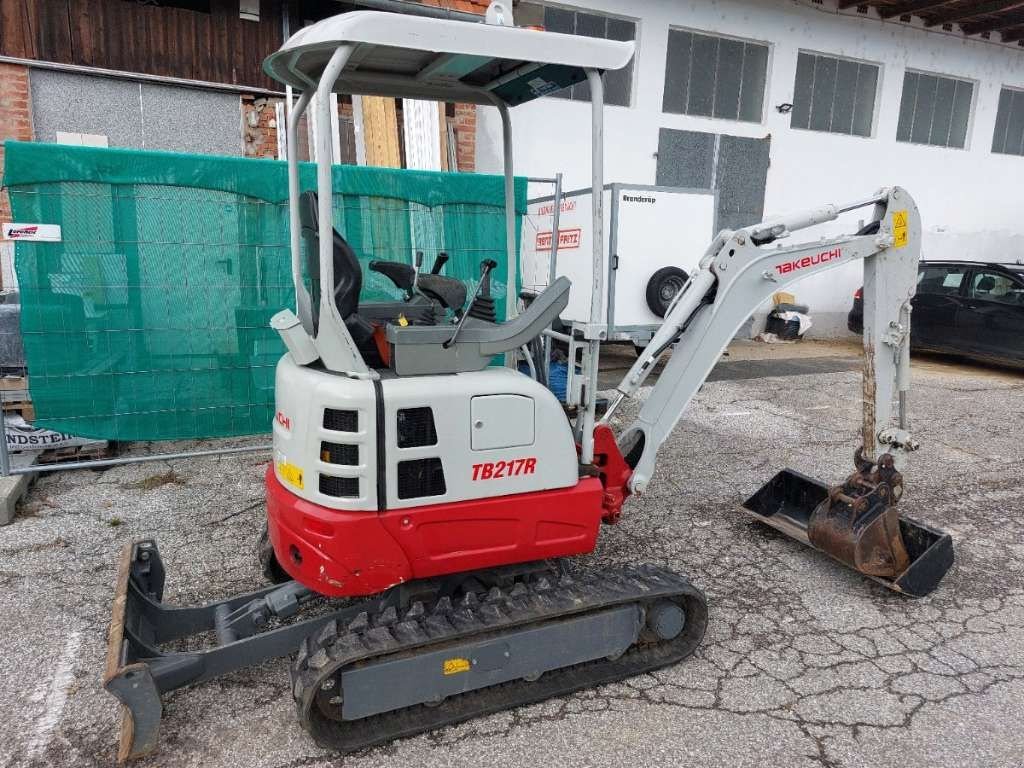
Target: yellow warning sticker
(456,665)
(290,473)
(900,233)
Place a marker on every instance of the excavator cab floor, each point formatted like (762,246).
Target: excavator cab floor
(788,501)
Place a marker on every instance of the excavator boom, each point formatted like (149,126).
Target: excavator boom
(857,522)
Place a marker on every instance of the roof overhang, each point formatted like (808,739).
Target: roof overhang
(441,59)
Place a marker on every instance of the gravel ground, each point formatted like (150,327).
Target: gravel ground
(804,663)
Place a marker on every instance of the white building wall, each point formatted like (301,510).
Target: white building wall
(971,199)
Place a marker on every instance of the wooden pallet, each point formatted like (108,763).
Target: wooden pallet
(75,453)
(14,397)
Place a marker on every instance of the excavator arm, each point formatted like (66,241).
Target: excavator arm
(742,269)
(855,522)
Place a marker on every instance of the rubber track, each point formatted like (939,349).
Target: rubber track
(485,616)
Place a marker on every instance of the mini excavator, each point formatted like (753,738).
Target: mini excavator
(421,500)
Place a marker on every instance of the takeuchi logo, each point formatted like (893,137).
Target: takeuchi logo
(809,261)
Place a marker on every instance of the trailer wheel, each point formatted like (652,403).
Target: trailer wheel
(663,287)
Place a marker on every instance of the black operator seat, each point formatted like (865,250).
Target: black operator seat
(421,350)
(348,274)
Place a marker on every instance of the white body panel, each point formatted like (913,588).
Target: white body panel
(649,228)
(523,443)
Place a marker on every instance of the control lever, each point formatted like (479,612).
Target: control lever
(485,270)
(416,271)
(439,262)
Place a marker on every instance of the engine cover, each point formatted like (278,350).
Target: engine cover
(402,442)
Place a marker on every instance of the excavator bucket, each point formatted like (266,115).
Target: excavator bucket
(858,524)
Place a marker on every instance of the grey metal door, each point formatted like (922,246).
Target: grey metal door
(735,166)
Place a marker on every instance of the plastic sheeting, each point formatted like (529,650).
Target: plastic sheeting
(149,321)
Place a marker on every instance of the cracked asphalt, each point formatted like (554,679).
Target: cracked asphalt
(804,663)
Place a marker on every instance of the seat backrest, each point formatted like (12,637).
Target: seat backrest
(348,274)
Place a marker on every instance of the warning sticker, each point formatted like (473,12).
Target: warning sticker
(456,665)
(900,233)
(290,473)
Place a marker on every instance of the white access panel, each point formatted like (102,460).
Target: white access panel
(501,421)
(646,228)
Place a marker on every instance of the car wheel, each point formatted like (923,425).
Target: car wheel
(663,287)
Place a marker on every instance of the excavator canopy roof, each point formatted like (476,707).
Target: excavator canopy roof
(441,59)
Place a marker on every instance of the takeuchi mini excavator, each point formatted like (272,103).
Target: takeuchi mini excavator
(421,500)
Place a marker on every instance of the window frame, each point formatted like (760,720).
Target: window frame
(769,45)
(1016,89)
(876,106)
(635,61)
(971,108)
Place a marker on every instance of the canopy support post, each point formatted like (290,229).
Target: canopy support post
(303,307)
(597,269)
(510,220)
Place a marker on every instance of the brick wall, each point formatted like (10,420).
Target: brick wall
(15,116)
(259,127)
(470,6)
(465,114)
(465,136)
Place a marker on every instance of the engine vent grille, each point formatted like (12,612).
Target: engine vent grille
(416,428)
(420,477)
(339,487)
(339,453)
(341,421)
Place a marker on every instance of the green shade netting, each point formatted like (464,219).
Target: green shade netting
(149,321)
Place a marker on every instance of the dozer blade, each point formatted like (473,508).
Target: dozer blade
(139,669)
(866,533)
(126,678)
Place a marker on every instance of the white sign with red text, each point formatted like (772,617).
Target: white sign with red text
(38,233)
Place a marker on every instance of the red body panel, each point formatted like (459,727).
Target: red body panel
(345,554)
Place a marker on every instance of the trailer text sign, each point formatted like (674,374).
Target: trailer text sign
(567,239)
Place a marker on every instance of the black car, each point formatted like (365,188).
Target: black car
(964,308)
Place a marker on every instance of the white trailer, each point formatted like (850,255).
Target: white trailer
(654,241)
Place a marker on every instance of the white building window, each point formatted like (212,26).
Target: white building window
(934,110)
(1008,138)
(618,84)
(711,76)
(834,95)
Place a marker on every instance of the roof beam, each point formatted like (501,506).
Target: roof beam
(993,25)
(910,8)
(972,11)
